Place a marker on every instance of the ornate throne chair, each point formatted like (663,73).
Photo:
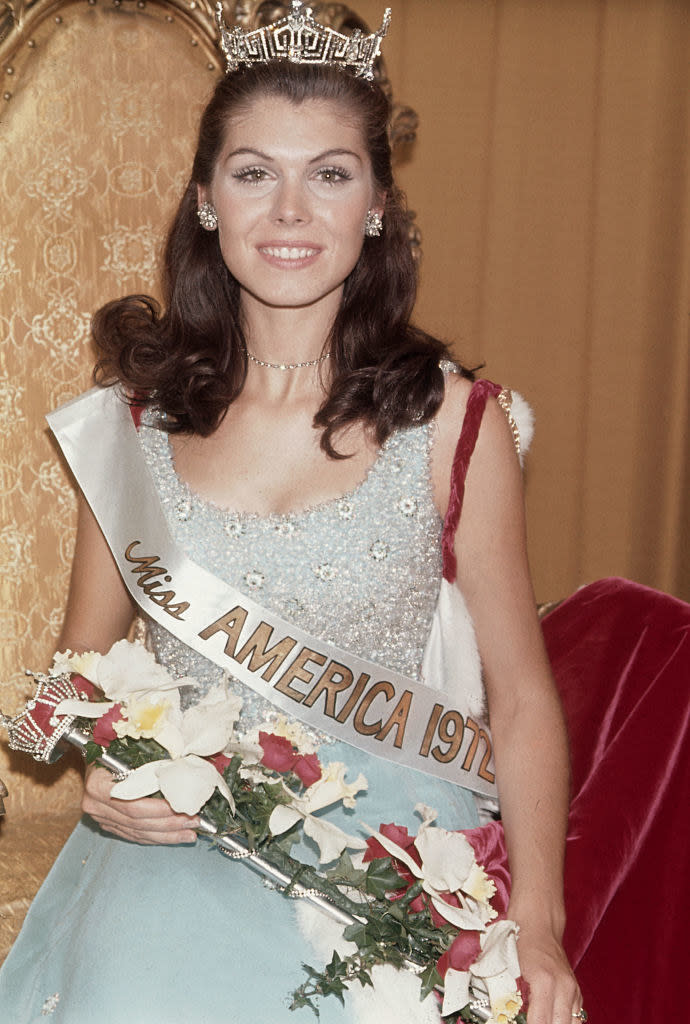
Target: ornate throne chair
(94,153)
(99,105)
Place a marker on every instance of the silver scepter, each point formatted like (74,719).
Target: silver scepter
(231,846)
(39,732)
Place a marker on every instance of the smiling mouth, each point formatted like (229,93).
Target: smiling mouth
(284,252)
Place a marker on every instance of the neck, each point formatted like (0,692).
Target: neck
(280,335)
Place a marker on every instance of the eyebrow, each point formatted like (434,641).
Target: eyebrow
(248,151)
(335,152)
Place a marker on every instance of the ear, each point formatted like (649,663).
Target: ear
(379,203)
(201,195)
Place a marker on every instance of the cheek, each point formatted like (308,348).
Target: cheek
(235,223)
(347,221)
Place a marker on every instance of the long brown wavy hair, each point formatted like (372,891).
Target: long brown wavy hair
(190,357)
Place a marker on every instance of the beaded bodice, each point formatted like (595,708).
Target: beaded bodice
(361,571)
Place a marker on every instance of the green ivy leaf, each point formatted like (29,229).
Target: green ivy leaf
(344,872)
(382,878)
(356,933)
(92,752)
(429,978)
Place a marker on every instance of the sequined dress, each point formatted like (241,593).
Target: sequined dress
(179,935)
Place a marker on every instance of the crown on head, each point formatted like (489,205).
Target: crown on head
(300,39)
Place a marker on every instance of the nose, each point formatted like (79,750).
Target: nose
(291,203)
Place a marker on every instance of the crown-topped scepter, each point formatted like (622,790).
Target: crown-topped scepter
(300,39)
(36,729)
(50,721)
(39,731)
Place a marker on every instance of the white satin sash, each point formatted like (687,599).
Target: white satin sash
(330,689)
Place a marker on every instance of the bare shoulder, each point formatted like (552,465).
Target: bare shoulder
(447,425)
(494,451)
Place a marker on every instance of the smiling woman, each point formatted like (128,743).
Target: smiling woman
(285,203)
(307,450)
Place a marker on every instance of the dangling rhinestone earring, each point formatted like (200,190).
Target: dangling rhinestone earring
(373,224)
(208,218)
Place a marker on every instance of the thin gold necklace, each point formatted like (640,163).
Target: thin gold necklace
(286,366)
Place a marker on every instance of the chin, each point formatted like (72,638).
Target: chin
(294,297)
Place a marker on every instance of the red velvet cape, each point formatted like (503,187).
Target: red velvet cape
(620,655)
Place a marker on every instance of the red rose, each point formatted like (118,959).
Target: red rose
(489,845)
(103,731)
(398,835)
(463,952)
(279,753)
(523,989)
(307,768)
(220,762)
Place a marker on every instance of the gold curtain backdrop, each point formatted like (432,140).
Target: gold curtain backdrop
(551,181)
(552,187)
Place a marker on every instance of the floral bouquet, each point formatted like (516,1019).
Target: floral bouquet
(421,903)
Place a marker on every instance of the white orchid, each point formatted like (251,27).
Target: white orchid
(186,780)
(331,788)
(126,668)
(150,699)
(448,865)
(207,726)
(456,991)
(150,715)
(83,664)
(495,972)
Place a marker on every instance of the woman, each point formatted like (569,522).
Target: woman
(301,437)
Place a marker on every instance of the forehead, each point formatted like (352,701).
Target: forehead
(277,126)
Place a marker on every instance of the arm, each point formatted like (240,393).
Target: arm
(99,612)
(526,720)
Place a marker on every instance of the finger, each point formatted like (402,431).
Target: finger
(174,823)
(567,1003)
(149,807)
(136,817)
(577,1008)
(144,838)
(97,795)
(99,789)
(98,782)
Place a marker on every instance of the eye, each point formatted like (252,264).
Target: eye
(333,175)
(251,175)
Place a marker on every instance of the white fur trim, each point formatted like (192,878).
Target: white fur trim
(394,998)
(522,413)
(451,657)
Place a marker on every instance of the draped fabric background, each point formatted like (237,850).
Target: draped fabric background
(551,181)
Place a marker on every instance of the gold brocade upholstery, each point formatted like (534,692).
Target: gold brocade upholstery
(97,130)
(96,141)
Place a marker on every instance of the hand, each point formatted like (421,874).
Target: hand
(554,994)
(149,820)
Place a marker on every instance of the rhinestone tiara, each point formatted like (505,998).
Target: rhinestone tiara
(300,39)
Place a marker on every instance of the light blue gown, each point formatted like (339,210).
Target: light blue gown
(127,934)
